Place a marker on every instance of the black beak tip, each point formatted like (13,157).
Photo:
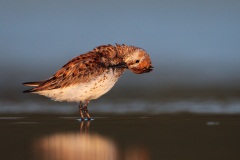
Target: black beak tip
(150,68)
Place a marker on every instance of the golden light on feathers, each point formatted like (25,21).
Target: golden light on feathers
(90,75)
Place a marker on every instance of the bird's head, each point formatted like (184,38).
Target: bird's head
(138,61)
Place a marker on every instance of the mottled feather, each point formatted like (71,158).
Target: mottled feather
(80,69)
(85,67)
(89,76)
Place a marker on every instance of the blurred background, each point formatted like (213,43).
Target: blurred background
(194,46)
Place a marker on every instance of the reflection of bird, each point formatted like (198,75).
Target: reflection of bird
(74,146)
(89,76)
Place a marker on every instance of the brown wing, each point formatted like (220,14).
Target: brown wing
(78,70)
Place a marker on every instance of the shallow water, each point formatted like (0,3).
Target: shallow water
(109,137)
(202,106)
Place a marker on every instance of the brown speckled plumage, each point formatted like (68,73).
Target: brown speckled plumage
(101,61)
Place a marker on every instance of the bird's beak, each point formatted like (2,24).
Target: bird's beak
(120,65)
(150,68)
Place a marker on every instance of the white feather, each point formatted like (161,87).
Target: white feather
(84,91)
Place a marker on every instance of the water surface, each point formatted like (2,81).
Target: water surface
(115,137)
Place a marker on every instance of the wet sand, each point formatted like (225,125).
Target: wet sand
(115,137)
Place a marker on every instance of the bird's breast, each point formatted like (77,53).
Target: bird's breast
(92,89)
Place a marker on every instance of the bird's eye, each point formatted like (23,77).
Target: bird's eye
(137,61)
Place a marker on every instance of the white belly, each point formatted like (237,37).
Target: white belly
(84,91)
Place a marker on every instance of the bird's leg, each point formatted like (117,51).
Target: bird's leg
(81,110)
(85,109)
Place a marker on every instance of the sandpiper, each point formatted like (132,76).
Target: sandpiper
(90,75)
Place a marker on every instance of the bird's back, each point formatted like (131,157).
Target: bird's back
(85,77)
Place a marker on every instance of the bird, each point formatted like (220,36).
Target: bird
(90,75)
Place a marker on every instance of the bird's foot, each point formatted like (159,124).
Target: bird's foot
(85,119)
(89,119)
